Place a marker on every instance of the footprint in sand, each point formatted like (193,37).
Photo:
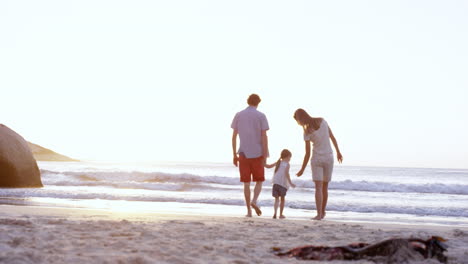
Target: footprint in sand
(15,222)
(459,233)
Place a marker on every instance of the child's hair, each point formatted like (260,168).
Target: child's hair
(284,154)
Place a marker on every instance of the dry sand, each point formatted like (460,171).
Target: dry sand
(30,234)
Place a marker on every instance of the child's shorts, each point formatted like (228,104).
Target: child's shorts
(278,191)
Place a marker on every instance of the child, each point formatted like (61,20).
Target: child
(281,180)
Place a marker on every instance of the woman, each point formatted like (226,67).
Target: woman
(317,131)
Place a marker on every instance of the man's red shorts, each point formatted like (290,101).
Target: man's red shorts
(251,169)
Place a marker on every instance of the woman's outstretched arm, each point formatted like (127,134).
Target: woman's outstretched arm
(306,158)
(335,143)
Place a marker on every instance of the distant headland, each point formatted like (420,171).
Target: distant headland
(43,154)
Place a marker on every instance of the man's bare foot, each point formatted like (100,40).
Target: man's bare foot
(274,217)
(249,213)
(256,208)
(282,217)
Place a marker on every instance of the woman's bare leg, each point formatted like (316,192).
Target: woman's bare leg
(324,198)
(318,199)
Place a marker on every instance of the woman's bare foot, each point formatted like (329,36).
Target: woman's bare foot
(282,217)
(274,217)
(317,217)
(248,215)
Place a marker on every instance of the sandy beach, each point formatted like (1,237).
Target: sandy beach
(34,234)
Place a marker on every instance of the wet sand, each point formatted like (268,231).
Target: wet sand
(37,234)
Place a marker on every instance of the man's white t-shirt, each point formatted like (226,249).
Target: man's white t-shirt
(250,123)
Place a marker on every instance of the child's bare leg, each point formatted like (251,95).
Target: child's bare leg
(276,206)
(282,207)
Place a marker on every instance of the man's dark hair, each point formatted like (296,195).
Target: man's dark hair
(254,100)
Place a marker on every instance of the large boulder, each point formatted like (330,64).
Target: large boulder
(18,168)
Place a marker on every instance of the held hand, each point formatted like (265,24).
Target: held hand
(235,160)
(339,157)
(293,185)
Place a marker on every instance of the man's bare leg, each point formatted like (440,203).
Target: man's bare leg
(247,198)
(257,191)
(318,199)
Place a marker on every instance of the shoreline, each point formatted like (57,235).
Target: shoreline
(206,209)
(95,214)
(40,234)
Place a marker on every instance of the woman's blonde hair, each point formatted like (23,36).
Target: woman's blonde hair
(306,121)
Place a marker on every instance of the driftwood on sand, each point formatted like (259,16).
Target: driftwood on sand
(396,250)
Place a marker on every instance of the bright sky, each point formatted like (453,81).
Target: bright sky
(162,80)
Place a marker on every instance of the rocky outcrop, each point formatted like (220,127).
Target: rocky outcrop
(18,168)
(44,154)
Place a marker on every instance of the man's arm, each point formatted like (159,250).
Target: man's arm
(235,159)
(264,146)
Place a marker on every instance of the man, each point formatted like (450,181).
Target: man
(251,126)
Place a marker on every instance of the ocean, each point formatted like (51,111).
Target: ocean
(367,194)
